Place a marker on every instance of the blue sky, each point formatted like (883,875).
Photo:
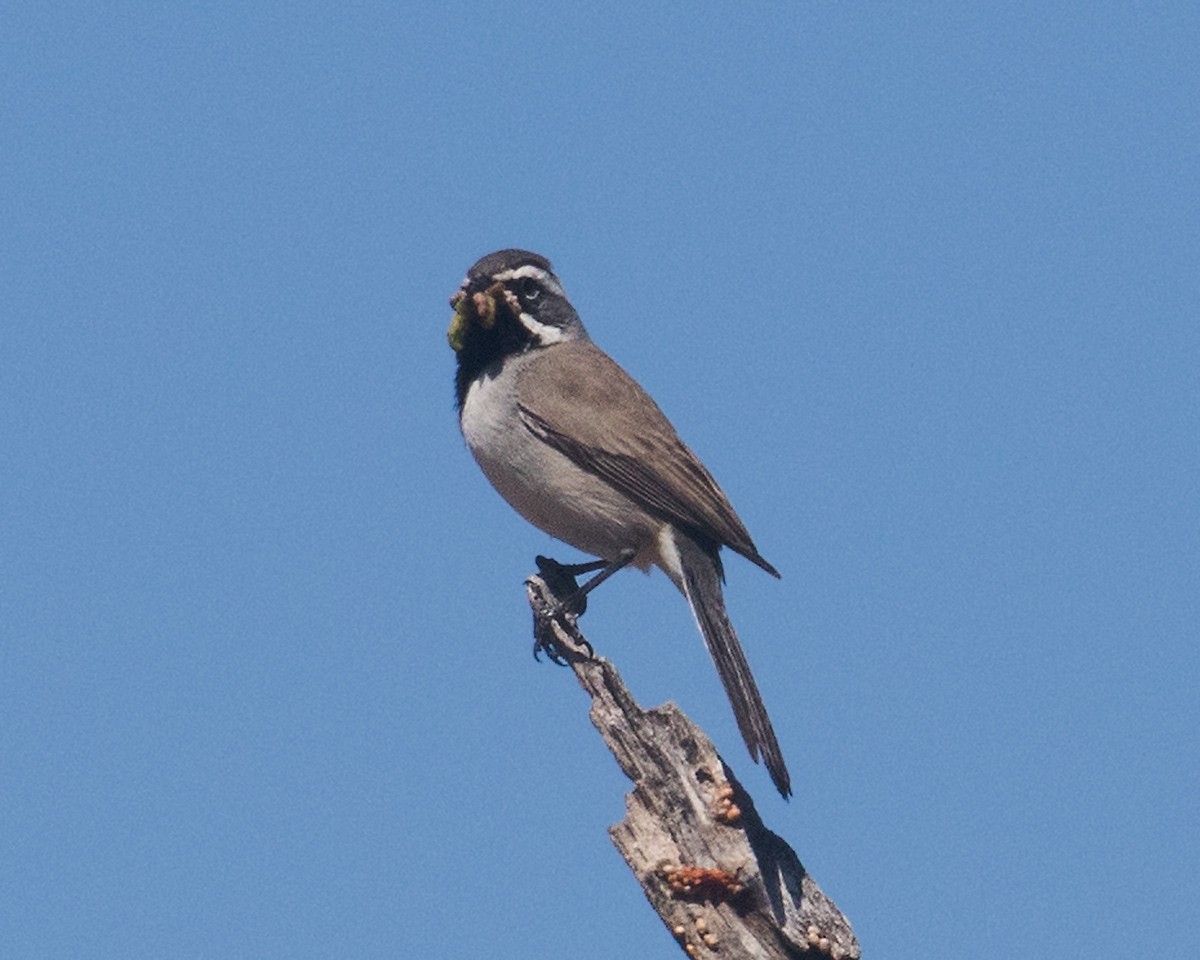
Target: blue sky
(918,282)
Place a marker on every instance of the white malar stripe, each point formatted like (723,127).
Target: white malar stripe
(544,333)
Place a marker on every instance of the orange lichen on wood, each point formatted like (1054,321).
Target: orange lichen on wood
(706,883)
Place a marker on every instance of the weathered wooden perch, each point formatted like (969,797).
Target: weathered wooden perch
(725,886)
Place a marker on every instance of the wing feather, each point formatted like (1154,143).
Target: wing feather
(632,446)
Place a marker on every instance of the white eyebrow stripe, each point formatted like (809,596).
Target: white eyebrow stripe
(544,277)
(528,270)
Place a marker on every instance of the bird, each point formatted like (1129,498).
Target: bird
(580,450)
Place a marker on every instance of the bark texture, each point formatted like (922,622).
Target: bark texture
(725,886)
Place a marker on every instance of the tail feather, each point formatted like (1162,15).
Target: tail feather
(701,576)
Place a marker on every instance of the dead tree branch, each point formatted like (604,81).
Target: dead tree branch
(724,885)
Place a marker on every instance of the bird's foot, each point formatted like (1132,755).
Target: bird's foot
(569,597)
(546,640)
(567,603)
(558,608)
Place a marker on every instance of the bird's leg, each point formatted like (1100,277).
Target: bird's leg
(569,569)
(607,568)
(570,597)
(560,577)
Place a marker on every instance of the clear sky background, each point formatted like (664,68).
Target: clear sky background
(919,282)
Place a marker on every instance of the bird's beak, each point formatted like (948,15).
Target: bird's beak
(479,308)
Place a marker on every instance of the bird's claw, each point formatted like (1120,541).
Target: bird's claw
(554,629)
(550,628)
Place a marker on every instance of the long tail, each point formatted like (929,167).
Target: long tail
(701,574)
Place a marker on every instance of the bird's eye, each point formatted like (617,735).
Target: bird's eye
(528,290)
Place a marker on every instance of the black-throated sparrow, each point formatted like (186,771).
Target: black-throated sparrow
(572,442)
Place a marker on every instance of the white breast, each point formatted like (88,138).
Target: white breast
(543,485)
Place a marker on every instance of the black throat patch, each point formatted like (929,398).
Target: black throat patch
(483,344)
